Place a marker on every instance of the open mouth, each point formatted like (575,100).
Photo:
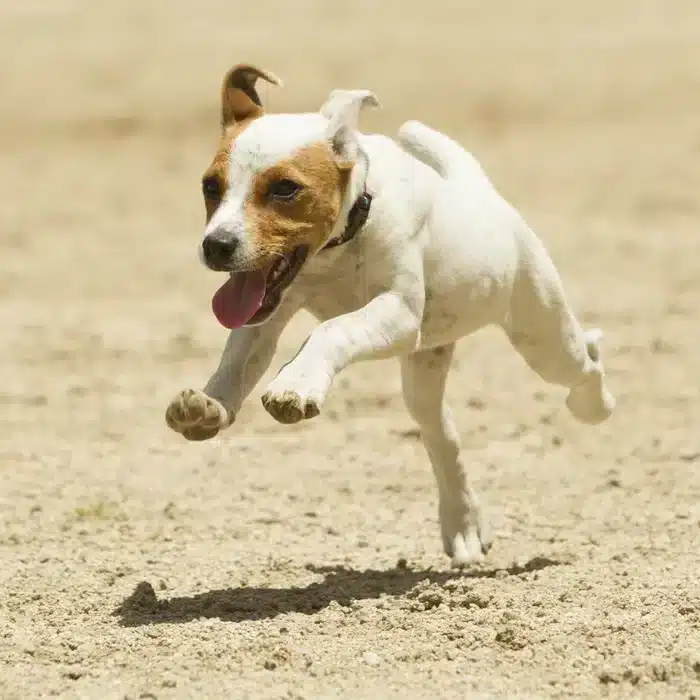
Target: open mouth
(250,297)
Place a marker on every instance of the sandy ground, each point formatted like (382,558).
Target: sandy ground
(305,562)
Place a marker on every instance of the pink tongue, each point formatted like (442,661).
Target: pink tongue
(237,300)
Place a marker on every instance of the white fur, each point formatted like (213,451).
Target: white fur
(441,256)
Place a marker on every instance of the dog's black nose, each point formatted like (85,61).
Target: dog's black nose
(218,252)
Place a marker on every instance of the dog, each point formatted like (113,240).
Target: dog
(399,247)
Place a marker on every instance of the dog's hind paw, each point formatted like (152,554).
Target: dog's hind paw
(590,401)
(466,536)
(466,549)
(195,415)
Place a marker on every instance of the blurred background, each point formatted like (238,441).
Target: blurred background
(585,116)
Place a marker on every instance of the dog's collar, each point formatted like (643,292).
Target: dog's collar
(356,220)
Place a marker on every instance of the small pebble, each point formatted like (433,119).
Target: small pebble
(371,659)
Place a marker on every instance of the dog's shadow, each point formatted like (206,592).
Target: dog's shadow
(340,584)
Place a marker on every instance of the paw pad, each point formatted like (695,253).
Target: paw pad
(288,407)
(195,415)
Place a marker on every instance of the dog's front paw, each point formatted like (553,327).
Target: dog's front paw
(195,415)
(289,407)
(297,392)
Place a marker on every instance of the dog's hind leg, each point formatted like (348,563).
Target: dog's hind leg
(543,328)
(424,375)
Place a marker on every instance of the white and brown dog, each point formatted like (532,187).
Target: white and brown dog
(399,248)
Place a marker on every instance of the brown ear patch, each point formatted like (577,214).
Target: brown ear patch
(308,219)
(239,98)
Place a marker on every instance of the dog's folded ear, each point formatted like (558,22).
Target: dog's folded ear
(239,98)
(345,105)
(342,109)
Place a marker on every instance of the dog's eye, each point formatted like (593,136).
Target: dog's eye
(211,188)
(284,190)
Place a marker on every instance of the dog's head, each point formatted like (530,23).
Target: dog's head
(274,192)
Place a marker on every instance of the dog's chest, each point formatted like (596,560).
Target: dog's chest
(335,289)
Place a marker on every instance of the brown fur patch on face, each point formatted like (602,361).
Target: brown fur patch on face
(281,226)
(218,170)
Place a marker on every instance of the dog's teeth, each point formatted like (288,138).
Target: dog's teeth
(278,269)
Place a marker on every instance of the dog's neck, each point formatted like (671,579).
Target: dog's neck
(357,205)
(357,216)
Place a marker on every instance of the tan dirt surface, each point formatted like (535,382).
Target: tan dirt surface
(305,562)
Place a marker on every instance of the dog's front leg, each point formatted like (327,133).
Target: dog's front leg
(201,414)
(387,325)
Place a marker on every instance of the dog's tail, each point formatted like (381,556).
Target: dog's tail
(437,151)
